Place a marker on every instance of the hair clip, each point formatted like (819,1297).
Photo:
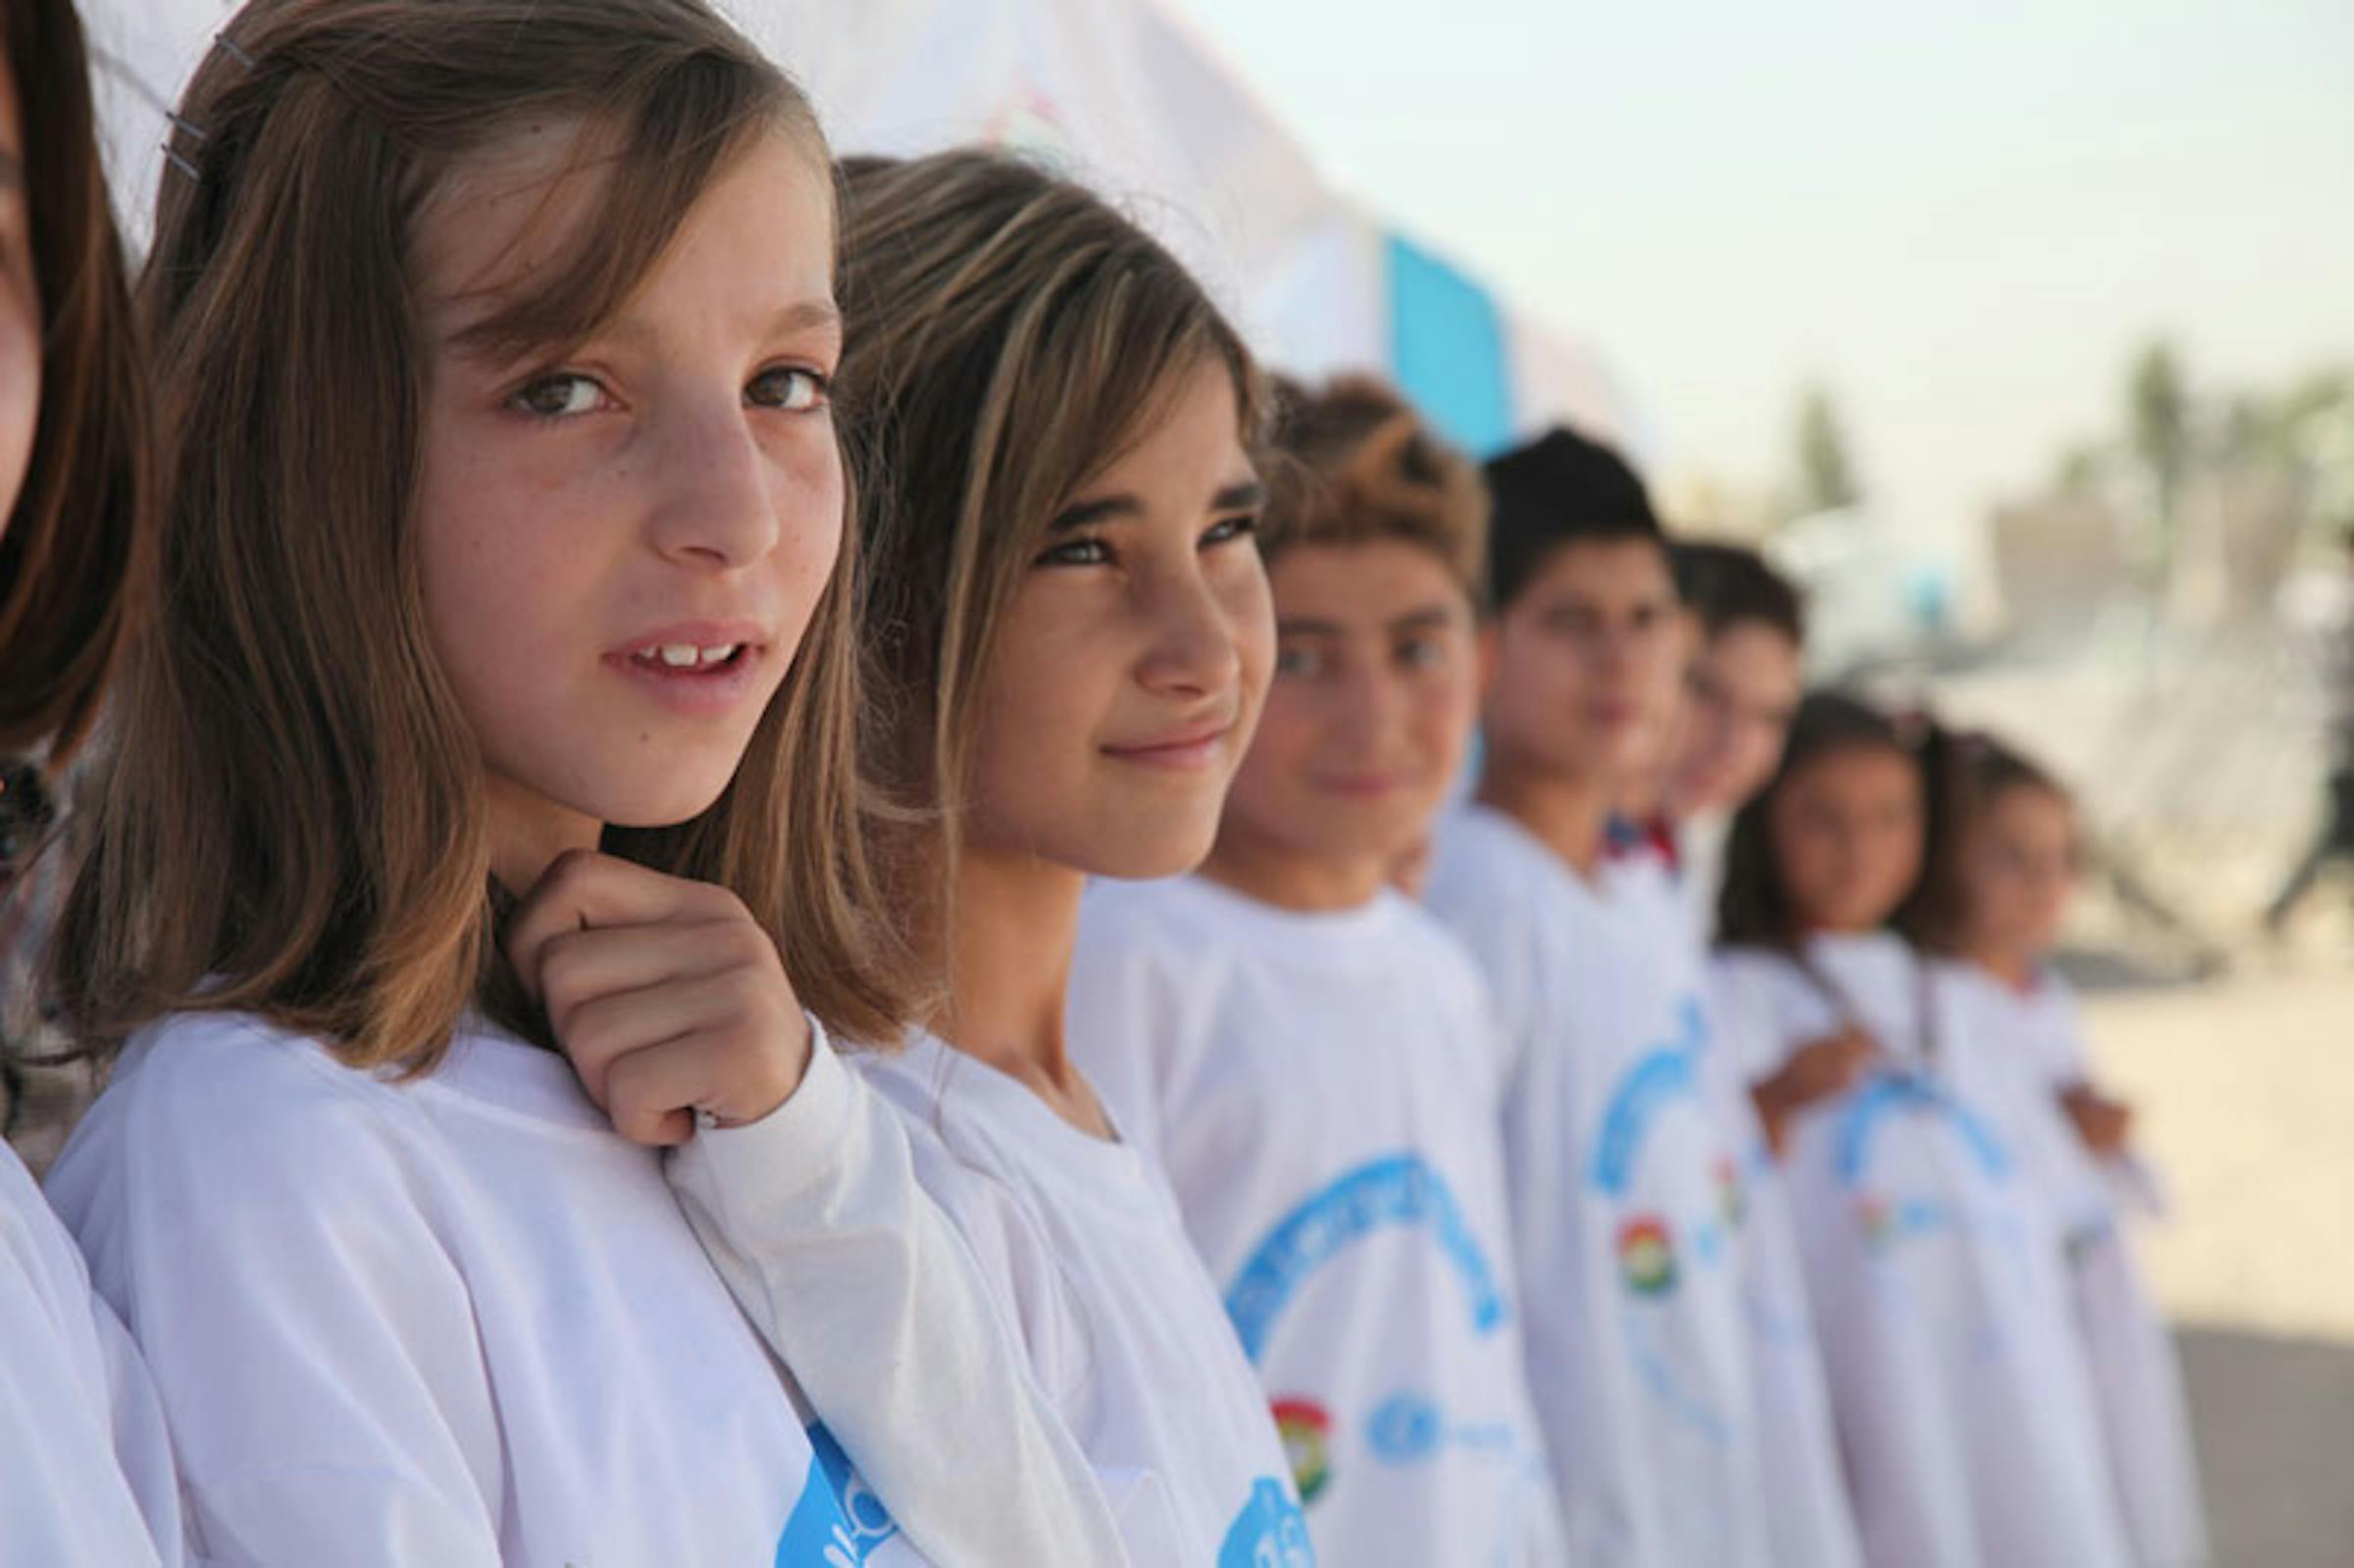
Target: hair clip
(180,163)
(228,46)
(186,126)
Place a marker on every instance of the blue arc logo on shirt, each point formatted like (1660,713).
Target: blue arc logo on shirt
(1270,1533)
(1911,1093)
(838,1523)
(1397,1189)
(1664,1075)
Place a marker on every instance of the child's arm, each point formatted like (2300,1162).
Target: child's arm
(1814,1071)
(671,1000)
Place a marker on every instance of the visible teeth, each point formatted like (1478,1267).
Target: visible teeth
(677,655)
(714,655)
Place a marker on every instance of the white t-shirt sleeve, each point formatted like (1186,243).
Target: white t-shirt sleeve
(310,1336)
(86,1469)
(816,1220)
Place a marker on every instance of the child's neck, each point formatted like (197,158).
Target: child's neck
(528,832)
(1287,879)
(1009,961)
(1569,815)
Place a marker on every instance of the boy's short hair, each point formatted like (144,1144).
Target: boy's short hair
(1353,463)
(1560,489)
(1725,585)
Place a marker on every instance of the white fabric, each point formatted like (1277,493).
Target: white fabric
(85,1467)
(1702,842)
(2136,1377)
(1934,1270)
(1082,1244)
(1810,1521)
(453,1321)
(1322,1091)
(1626,1190)
(787,1226)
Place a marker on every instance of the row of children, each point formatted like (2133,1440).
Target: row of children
(628,642)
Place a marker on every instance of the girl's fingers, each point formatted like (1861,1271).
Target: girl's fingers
(753,1013)
(585,890)
(652,1094)
(579,967)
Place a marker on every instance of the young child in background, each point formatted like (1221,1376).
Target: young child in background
(1055,430)
(1742,689)
(490,743)
(86,1465)
(1623,1172)
(1734,715)
(1999,882)
(1931,1258)
(1308,1054)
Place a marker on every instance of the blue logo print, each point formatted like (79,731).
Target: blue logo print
(1664,1075)
(1909,1092)
(1270,1533)
(838,1523)
(1397,1189)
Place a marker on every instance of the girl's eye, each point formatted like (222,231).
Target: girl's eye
(1231,529)
(1421,653)
(1076,552)
(558,396)
(788,387)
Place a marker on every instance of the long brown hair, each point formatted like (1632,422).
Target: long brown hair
(77,539)
(1010,336)
(1754,907)
(292,821)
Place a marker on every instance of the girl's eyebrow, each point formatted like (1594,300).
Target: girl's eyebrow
(482,337)
(1237,497)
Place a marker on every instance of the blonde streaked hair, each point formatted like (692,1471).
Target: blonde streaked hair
(292,820)
(1010,336)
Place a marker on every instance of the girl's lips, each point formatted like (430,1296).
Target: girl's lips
(1362,786)
(700,689)
(1188,751)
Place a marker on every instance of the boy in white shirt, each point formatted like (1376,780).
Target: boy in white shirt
(1311,1055)
(1624,1169)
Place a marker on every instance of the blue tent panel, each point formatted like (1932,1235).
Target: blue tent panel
(1447,348)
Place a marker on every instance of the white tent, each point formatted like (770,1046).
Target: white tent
(1122,93)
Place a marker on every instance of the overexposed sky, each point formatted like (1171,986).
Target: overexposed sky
(1962,217)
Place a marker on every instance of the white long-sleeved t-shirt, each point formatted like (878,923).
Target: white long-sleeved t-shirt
(2136,1378)
(1084,1248)
(1323,1090)
(1934,1267)
(454,1321)
(1628,1193)
(1810,1518)
(87,1479)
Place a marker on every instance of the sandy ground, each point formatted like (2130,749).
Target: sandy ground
(2245,1093)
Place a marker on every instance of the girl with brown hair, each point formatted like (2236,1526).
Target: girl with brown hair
(1053,432)
(1308,1054)
(85,1464)
(494,738)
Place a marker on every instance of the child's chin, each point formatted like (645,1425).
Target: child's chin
(665,805)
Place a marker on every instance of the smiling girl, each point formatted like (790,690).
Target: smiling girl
(1073,632)
(493,740)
